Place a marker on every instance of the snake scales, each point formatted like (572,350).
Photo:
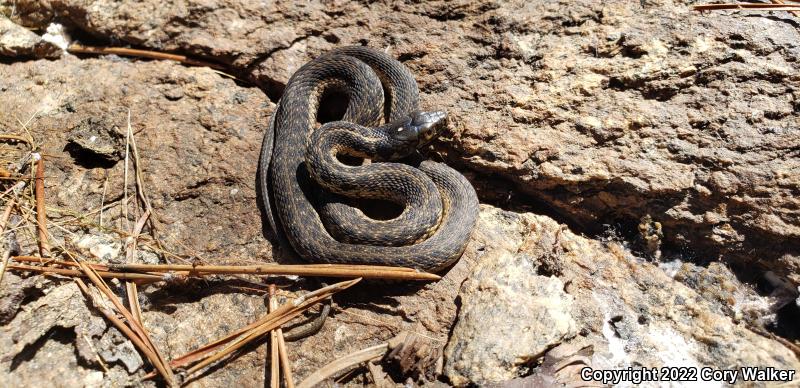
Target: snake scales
(299,171)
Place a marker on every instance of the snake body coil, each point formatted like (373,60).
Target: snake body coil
(299,170)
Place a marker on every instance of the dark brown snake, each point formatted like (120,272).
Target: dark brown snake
(301,177)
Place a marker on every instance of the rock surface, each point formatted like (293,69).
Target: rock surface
(509,316)
(628,311)
(658,132)
(607,111)
(16,41)
(198,158)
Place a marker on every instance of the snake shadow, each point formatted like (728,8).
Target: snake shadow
(168,298)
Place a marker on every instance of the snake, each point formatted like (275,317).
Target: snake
(303,182)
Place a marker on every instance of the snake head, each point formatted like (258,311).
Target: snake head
(416,130)
(428,125)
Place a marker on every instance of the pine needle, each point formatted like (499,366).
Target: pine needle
(76,48)
(343,363)
(322,270)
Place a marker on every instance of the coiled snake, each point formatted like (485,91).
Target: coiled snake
(299,169)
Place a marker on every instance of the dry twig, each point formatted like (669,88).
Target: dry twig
(280,343)
(80,49)
(125,172)
(324,270)
(133,301)
(3,221)
(130,241)
(4,263)
(343,363)
(41,217)
(130,252)
(275,363)
(147,278)
(285,363)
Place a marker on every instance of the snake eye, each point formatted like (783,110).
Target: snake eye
(406,132)
(416,130)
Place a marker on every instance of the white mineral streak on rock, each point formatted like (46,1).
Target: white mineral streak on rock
(57,36)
